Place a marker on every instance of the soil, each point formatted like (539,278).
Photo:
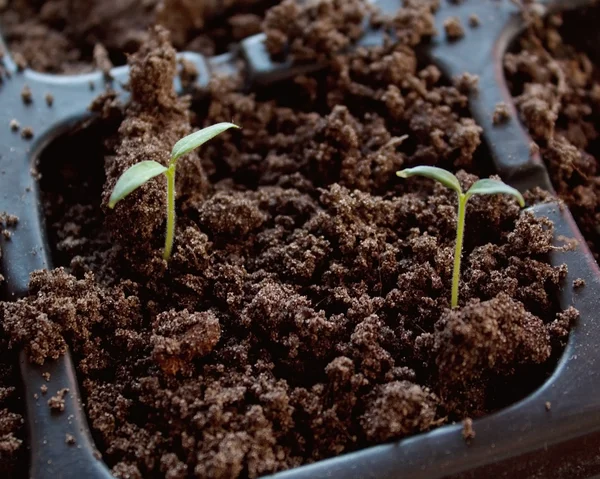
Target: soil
(305,310)
(66,36)
(553,76)
(12,430)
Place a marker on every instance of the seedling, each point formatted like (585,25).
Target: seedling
(141,172)
(480,187)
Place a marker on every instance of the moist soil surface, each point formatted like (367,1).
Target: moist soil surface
(12,430)
(305,310)
(553,76)
(71,36)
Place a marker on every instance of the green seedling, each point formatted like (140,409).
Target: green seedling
(480,187)
(141,172)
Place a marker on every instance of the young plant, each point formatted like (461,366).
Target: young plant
(141,172)
(480,187)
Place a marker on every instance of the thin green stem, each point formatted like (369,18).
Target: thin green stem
(170,174)
(460,230)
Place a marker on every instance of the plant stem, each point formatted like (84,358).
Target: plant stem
(460,229)
(170,174)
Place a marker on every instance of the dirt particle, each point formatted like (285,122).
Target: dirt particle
(7,234)
(46,376)
(70,439)
(568,244)
(102,60)
(14,125)
(467,83)
(180,337)
(19,61)
(57,403)
(474,20)
(49,99)
(454,29)
(468,432)
(398,409)
(579,283)
(501,113)
(548,406)
(27,132)
(44,389)
(26,95)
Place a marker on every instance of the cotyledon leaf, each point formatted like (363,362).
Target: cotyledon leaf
(490,186)
(444,177)
(133,178)
(198,138)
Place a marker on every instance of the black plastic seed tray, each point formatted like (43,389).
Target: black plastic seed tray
(524,440)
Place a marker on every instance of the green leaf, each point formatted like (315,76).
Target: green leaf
(133,178)
(444,177)
(494,187)
(198,138)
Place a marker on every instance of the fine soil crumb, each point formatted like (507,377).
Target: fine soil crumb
(10,221)
(102,60)
(474,20)
(70,439)
(454,29)
(180,337)
(20,61)
(27,132)
(57,403)
(14,125)
(26,95)
(467,83)
(578,283)
(46,376)
(501,114)
(49,99)
(548,406)
(305,310)
(468,432)
(44,389)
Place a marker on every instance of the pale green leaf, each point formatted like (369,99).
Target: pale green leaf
(494,187)
(198,138)
(444,177)
(133,178)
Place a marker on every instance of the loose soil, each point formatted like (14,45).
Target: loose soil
(12,431)
(305,311)
(70,36)
(556,84)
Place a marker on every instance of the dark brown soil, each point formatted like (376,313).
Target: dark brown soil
(556,84)
(305,311)
(12,430)
(63,36)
